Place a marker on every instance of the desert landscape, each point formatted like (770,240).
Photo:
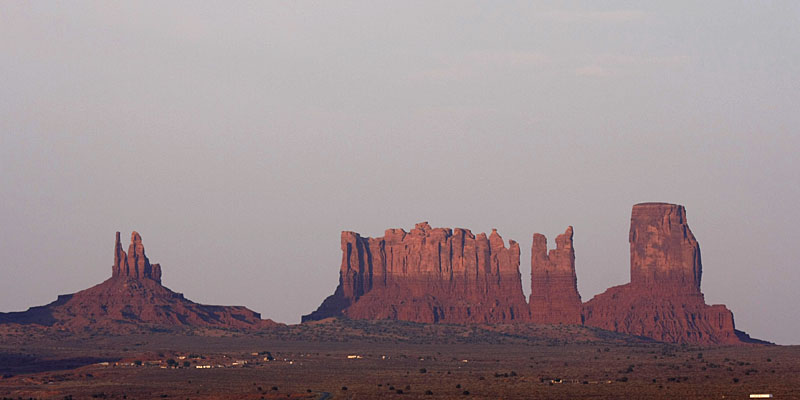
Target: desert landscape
(346,359)
(429,313)
(399,200)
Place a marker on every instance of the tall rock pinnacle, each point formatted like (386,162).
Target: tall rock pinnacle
(554,286)
(135,263)
(134,300)
(663,301)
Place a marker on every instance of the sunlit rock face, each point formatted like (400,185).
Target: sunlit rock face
(428,275)
(554,286)
(663,301)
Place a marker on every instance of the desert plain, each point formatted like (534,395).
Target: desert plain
(347,359)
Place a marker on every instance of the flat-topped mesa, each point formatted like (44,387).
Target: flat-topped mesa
(135,263)
(663,301)
(554,286)
(427,275)
(664,252)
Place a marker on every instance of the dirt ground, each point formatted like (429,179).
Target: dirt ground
(388,361)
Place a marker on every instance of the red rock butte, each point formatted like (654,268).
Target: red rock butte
(428,275)
(663,301)
(452,276)
(133,298)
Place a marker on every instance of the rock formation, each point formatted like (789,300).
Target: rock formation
(135,263)
(663,300)
(554,285)
(664,252)
(133,298)
(428,275)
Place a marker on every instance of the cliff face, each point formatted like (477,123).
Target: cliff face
(663,301)
(133,297)
(664,252)
(428,275)
(554,286)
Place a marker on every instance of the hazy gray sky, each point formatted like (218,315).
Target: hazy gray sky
(240,138)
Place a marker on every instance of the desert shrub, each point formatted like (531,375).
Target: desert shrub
(627,370)
(422,370)
(428,393)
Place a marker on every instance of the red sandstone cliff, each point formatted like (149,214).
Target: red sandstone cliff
(663,300)
(554,285)
(428,275)
(132,298)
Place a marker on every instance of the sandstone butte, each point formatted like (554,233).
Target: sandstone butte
(663,300)
(133,298)
(428,275)
(452,276)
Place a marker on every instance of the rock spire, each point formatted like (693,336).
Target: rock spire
(135,263)
(554,286)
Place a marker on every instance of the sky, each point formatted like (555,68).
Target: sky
(241,138)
